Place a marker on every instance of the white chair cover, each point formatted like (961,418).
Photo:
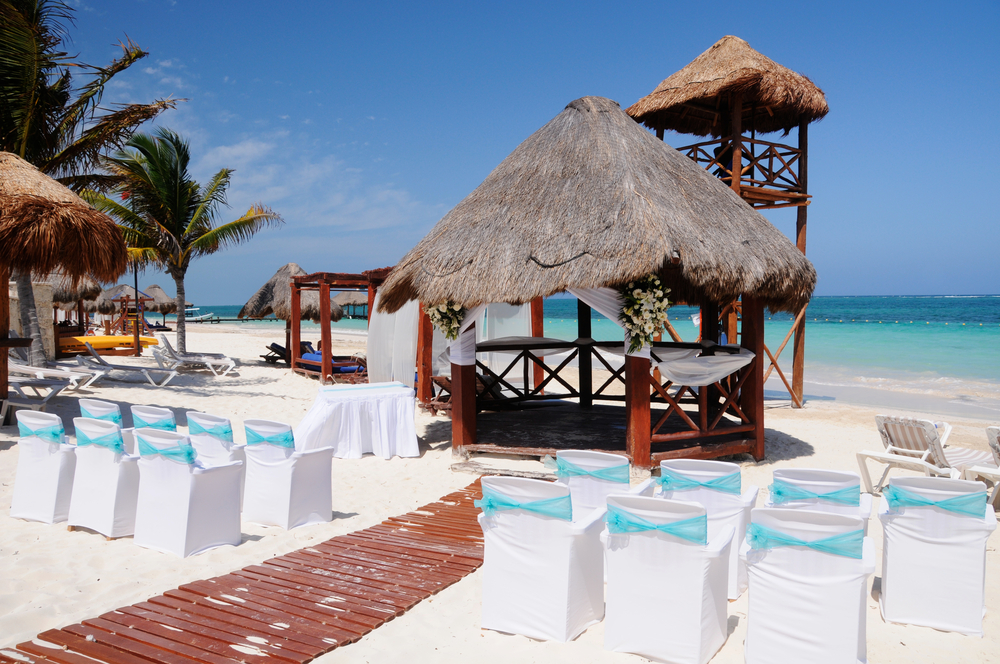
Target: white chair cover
(666,596)
(44,481)
(354,420)
(933,560)
(106,483)
(725,510)
(806,605)
(587,492)
(284,487)
(542,576)
(151,415)
(215,450)
(185,508)
(99,409)
(820,481)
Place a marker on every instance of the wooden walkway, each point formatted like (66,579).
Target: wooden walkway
(292,608)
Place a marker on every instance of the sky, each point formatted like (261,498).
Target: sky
(362,124)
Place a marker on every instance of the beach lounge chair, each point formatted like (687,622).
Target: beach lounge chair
(917,445)
(183,507)
(285,487)
(106,481)
(275,352)
(45,464)
(542,575)
(34,400)
(78,377)
(808,575)
(666,589)
(148,372)
(990,472)
(717,486)
(212,438)
(833,491)
(171,359)
(934,553)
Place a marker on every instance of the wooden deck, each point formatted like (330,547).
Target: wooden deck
(292,608)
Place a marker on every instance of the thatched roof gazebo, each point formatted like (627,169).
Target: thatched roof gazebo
(45,226)
(351,300)
(275,297)
(590,201)
(66,290)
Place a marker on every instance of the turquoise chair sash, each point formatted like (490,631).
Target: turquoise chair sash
(166,424)
(849,545)
(51,434)
(694,529)
(493,502)
(113,441)
(283,439)
(783,492)
(968,504)
(219,431)
(109,417)
(566,469)
(671,481)
(180,452)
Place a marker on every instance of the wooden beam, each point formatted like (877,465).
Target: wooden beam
(538,330)
(326,353)
(4,327)
(585,362)
(372,290)
(752,394)
(463,405)
(294,349)
(425,357)
(736,114)
(637,422)
(799,345)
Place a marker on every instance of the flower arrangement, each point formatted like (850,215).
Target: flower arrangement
(644,310)
(446,317)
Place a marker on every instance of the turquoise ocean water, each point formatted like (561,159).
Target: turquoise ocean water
(938,352)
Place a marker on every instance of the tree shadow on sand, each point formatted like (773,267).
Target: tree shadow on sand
(437,436)
(779,446)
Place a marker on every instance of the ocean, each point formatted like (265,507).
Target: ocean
(936,354)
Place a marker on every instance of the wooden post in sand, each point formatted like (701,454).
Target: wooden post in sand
(326,359)
(425,357)
(538,330)
(752,393)
(799,344)
(638,427)
(463,404)
(293,347)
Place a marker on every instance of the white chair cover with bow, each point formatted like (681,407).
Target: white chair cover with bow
(212,438)
(106,483)
(589,492)
(45,465)
(825,484)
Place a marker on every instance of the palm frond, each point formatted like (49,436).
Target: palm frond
(91,93)
(240,230)
(211,197)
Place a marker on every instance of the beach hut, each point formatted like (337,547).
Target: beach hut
(588,203)
(44,226)
(732,93)
(160,302)
(351,300)
(69,295)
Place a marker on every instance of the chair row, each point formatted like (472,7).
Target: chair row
(180,493)
(669,552)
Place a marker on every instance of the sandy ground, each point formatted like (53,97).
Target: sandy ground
(50,577)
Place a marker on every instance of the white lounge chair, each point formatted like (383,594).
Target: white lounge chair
(36,401)
(106,481)
(285,487)
(808,580)
(172,359)
(45,464)
(717,486)
(917,445)
(212,438)
(591,477)
(79,378)
(96,360)
(934,553)
(542,571)
(821,490)
(183,507)
(667,581)
(990,472)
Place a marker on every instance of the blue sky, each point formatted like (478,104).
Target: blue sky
(364,123)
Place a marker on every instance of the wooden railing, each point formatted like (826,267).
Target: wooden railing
(764,164)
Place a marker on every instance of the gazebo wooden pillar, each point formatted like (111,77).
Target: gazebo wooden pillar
(323,282)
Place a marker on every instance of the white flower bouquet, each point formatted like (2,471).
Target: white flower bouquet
(644,311)
(446,317)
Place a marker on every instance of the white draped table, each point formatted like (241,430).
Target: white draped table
(376,418)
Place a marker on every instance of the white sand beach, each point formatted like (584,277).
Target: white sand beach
(50,577)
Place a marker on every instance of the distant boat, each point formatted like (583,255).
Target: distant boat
(190,315)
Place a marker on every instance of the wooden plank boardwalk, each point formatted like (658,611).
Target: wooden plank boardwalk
(292,608)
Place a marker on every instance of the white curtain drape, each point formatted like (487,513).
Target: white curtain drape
(609,304)
(392,343)
(683,367)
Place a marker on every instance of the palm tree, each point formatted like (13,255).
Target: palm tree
(49,120)
(168,218)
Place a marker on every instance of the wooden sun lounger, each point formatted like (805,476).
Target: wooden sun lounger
(25,400)
(98,361)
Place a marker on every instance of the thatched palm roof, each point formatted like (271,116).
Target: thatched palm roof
(275,297)
(162,303)
(64,290)
(44,226)
(774,97)
(351,298)
(110,299)
(592,199)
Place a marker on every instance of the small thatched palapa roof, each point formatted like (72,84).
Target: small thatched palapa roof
(592,199)
(275,297)
(162,303)
(44,226)
(775,98)
(351,298)
(110,299)
(65,291)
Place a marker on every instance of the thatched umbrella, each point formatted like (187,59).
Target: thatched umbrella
(592,199)
(161,302)
(275,297)
(66,290)
(352,299)
(775,97)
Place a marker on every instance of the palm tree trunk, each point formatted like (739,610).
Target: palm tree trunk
(29,319)
(181,327)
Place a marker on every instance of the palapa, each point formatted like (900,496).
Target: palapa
(351,298)
(275,297)
(591,200)
(775,98)
(44,226)
(161,302)
(66,290)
